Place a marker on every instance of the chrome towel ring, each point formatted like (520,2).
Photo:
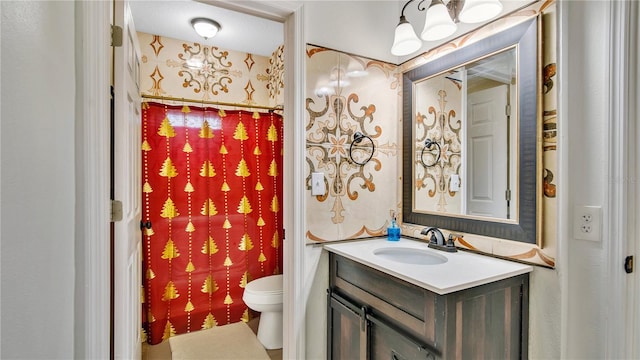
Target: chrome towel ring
(427,145)
(358,137)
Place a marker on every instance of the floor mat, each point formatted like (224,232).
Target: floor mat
(233,341)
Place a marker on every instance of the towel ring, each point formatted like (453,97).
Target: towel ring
(357,139)
(427,145)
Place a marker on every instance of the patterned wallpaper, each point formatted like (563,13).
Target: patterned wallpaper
(360,199)
(174,68)
(345,95)
(439,119)
(549,133)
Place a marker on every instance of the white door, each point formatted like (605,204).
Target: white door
(487,148)
(127,236)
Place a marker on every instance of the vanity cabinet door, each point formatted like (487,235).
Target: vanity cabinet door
(346,330)
(488,322)
(389,343)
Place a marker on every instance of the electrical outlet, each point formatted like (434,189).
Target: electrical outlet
(587,222)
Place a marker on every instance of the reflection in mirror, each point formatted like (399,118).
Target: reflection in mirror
(465,139)
(470,138)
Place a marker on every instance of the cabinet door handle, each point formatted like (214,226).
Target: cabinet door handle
(364,332)
(363,318)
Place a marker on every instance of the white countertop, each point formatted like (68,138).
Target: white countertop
(462,270)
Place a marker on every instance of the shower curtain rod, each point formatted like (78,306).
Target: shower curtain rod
(154,97)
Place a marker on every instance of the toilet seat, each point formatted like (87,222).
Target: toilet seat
(266,290)
(268,284)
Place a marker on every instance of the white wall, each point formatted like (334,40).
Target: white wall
(587,62)
(37,180)
(545,301)
(358,27)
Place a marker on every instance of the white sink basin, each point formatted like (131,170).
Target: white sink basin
(448,272)
(412,256)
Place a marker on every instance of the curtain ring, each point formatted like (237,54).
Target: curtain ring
(427,145)
(357,139)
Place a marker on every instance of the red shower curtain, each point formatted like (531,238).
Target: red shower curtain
(211,216)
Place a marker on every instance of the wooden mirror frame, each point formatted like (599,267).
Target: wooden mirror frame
(525,36)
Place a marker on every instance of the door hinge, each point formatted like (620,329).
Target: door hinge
(116,210)
(507,110)
(628,264)
(116,35)
(507,195)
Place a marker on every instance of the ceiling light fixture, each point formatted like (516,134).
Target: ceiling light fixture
(206,28)
(440,21)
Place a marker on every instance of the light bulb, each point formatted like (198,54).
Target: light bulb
(475,11)
(405,41)
(438,24)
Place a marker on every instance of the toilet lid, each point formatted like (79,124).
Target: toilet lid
(265,285)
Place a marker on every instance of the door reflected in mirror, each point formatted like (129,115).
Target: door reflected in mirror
(466,139)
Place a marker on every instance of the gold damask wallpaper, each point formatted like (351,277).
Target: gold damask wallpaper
(346,95)
(175,68)
(438,123)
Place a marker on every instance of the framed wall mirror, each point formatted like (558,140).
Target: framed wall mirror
(470,138)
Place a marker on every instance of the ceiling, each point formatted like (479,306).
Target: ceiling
(330,21)
(239,32)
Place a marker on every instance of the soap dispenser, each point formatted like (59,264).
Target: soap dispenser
(393,231)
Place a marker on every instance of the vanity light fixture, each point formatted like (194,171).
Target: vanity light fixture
(206,28)
(476,11)
(440,21)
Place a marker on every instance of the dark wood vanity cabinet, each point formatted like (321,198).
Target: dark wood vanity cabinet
(372,315)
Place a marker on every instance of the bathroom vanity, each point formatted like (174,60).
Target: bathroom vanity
(402,300)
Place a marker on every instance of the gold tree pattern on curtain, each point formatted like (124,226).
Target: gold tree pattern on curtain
(212,186)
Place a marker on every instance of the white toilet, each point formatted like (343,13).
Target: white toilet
(265,296)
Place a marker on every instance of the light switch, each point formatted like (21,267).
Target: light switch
(317,184)
(454,183)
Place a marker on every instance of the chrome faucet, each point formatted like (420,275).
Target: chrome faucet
(436,240)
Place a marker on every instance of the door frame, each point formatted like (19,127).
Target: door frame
(623,190)
(92,323)
(92,159)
